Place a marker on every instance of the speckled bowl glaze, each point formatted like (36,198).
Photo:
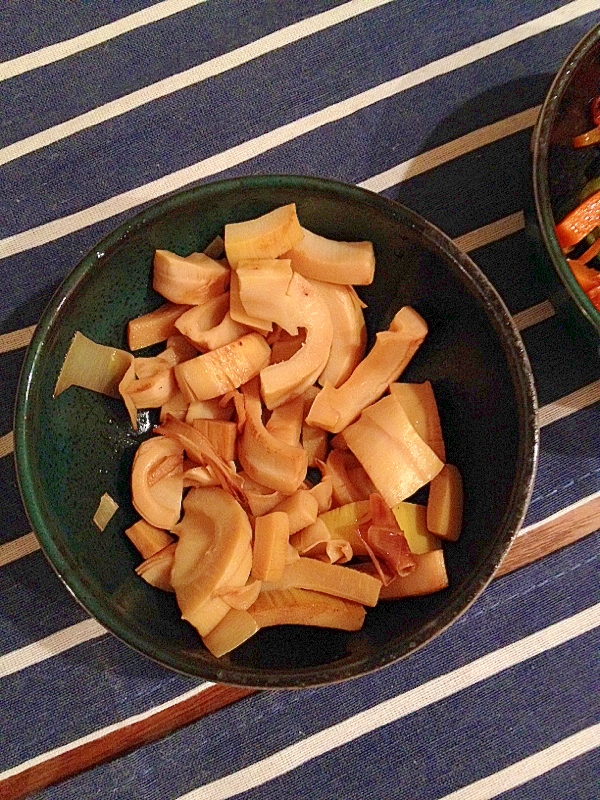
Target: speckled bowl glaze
(72,449)
(560,172)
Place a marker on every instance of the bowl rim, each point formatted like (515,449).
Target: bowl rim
(514,514)
(541,189)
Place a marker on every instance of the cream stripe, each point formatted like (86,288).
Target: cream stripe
(531,767)
(16,339)
(6,444)
(241,153)
(586,396)
(18,548)
(451,150)
(52,645)
(195,75)
(534,315)
(558,514)
(60,50)
(92,737)
(493,232)
(397,707)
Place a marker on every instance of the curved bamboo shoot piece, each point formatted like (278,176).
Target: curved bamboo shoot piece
(236,627)
(154,327)
(329,260)
(304,307)
(265,458)
(159,504)
(194,323)
(307,573)
(267,236)
(334,409)
(190,281)
(271,536)
(147,539)
(418,400)
(156,570)
(302,607)
(219,371)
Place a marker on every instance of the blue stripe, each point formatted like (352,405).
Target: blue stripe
(262,725)
(137,59)
(136,148)
(554,589)
(29,25)
(13,522)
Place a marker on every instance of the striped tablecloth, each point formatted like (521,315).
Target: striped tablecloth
(106,106)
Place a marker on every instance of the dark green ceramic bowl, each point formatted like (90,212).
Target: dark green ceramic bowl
(71,450)
(560,172)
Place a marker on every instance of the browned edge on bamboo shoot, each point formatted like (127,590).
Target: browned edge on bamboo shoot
(535,542)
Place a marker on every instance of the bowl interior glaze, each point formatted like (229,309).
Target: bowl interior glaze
(72,449)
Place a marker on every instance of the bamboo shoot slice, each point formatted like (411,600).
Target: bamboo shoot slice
(412,521)
(239,314)
(227,331)
(418,400)
(268,236)
(190,281)
(322,492)
(427,577)
(93,366)
(235,628)
(106,510)
(219,371)
(334,409)
(159,504)
(265,458)
(156,570)
(221,433)
(263,282)
(344,523)
(147,539)
(154,327)
(306,573)
(207,409)
(271,537)
(285,421)
(301,509)
(302,607)
(329,260)
(194,323)
(445,504)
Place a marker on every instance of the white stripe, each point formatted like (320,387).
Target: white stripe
(397,707)
(246,151)
(99,734)
(190,77)
(60,50)
(7,444)
(50,646)
(451,150)
(500,229)
(586,396)
(558,514)
(534,315)
(18,548)
(530,767)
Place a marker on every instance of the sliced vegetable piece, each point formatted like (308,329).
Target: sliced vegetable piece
(265,458)
(301,509)
(207,409)
(349,332)
(154,327)
(392,453)
(92,366)
(147,539)
(240,597)
(106,510)
(176,406)
(386,540)
(334,409)
(160,503)
(412,521)
(315,442)
(267,236)
(156,570)
(239,314)
(191,281)
(301,607)
(307,573)
(262,284)
(235,628)
(345,521)
(271,537)
(332,261)
(213,550)
(304,307)
(195,322)
(221,433)
(445,504)
(219,371)
(285,421)
(428,576)
(418,400)
(322,492)
(227,331)
(260,499)
(578,223)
